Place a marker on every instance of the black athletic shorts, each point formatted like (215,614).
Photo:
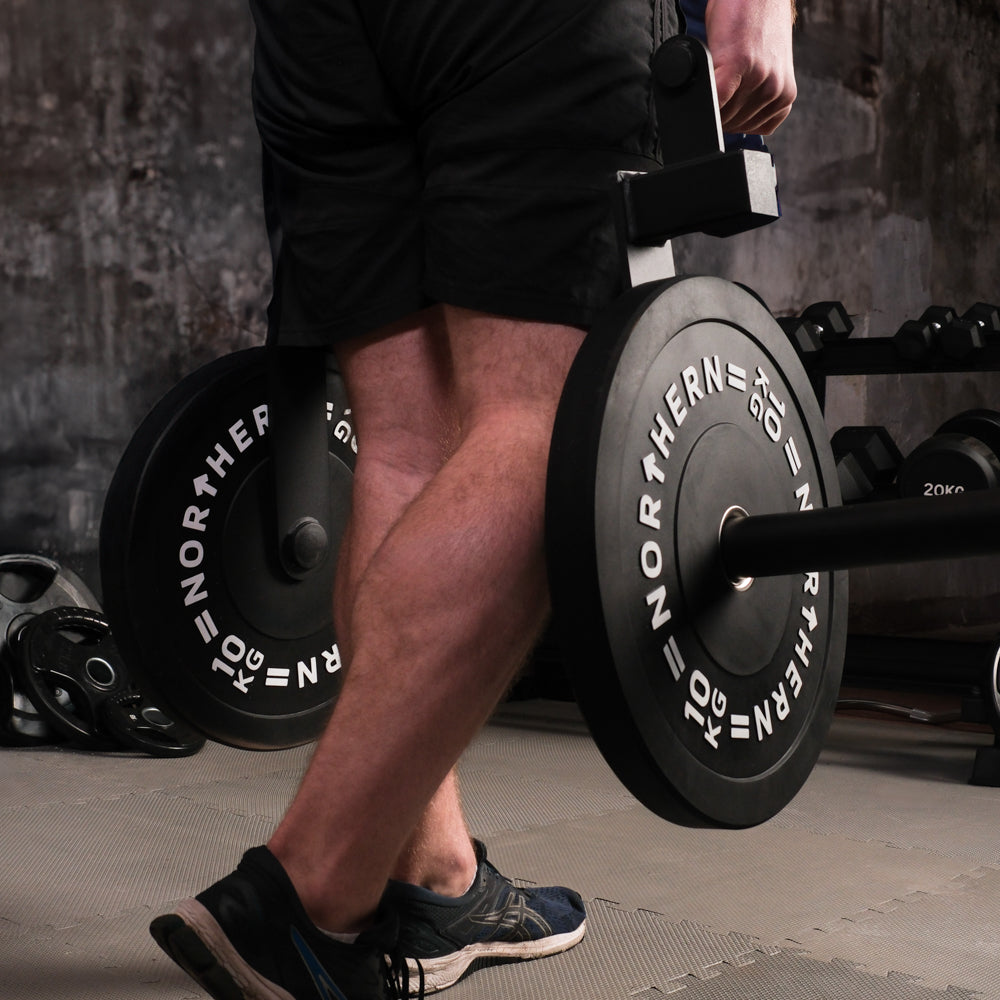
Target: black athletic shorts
(459,151)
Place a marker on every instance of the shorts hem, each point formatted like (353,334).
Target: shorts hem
(530,310)
(345,328)
(565,312)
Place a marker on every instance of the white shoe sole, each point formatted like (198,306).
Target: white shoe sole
(440,973)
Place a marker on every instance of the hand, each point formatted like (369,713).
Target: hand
(751,46)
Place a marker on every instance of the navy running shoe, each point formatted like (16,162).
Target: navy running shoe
(494,921)
(248,938)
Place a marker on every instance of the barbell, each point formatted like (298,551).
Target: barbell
(696,546)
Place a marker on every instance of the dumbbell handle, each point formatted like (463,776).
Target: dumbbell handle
(868,534)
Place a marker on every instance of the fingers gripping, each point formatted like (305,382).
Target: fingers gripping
(751,45)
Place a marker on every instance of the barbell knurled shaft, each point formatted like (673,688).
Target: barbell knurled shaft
(870,534)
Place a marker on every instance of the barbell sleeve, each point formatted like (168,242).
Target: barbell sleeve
(916,529)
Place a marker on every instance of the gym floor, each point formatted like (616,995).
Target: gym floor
(880,880)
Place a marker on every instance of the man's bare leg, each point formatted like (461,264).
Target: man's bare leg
(446,612)
(405,439)
(439,854)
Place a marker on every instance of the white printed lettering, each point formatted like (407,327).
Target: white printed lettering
(802,649)
(651,470)
(194,519)
(762,716)
(233,648)
(218,462)
(794,678)
(661,615)
(690,712)
(781,706)
(218,664)
(677,409)
(203,486)
(331,659)
(736,377)
(711,733)
(662,437)
(648,509)
(792,457)
(241,438)
(675,661)
(242,683)
(206,626)
(260,419)
(651,560)
(768,416)
(194,595)
(308,672)
(772,425)
(700,688)
(712,370)
(719,702)
(191,554)
(691,388)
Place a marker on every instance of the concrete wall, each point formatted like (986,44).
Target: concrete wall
(131,244)
(132,248)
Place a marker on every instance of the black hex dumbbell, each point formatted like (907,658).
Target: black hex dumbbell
(867,462)
(816,325)
(962,455)
(831,318)
(963,337)
(916,338)
(803,334)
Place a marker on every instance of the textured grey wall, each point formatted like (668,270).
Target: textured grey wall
(132,248)
(131,244)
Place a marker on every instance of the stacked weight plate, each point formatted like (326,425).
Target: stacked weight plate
(61,677)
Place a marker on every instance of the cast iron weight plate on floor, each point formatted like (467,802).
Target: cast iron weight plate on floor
(68,665)
(204,616)
(710,698)
(30,585)
(135,722)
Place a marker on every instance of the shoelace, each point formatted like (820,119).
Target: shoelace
(396,972)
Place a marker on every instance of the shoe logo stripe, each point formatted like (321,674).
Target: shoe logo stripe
(511,920)
(325,986)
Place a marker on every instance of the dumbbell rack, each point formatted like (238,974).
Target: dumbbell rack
(871,659)
(880,356)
